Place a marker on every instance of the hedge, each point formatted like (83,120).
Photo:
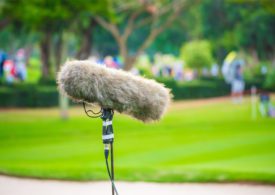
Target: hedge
(28,96)
(31,95)
(203,88)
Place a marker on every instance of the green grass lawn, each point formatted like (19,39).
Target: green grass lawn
(197,141)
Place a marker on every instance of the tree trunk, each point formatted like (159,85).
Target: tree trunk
(86,45)
(254,55)
(129,62)
(58,51)
(4,23)
(45,44)
(123,52)
(273,61)
(28,50)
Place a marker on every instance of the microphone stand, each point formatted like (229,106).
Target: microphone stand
(112,167)
(108,139)
(106,114)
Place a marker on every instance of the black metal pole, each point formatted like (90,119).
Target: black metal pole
(112,167)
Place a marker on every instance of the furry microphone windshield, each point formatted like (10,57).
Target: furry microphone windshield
(85,81)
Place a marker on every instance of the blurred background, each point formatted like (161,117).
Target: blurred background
(219,52)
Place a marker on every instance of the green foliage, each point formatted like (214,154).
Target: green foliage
(33,70)
(217,19)
(196,89)
(48,19)
(256,32)
(169,41)
(28,95)
(270,80)
(145,72)
(45,94)
(144,65)
(197,54)
(228,25)
(51,15)
(252,71)
(238,24)
(197,141)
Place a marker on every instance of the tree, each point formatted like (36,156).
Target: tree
(133,15)
(239,24)
(84,24)
(86,34)
(197,54)
(45,18)
(4,21)
(256,33)
(49,19)
(219,18)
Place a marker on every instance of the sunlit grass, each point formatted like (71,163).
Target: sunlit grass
(196,141)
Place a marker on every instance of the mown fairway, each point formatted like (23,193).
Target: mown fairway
(200,141)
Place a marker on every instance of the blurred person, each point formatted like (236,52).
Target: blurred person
(232,71)
(237,85)
(156,70)
(178,70)
(118,62)
(271,112)
(9,71)
(266,108)
(264,70)
(93,59)
(264,103)
(189,75)
(227,68)
(109,62)
(166,71)
(214,70)
(3,57)
(205,72)
(20,65)
(135,71)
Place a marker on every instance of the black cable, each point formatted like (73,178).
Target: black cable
(94,114)
(108,170)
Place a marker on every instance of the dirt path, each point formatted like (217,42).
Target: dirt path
(21,186)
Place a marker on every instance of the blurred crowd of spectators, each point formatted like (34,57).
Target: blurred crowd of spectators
(13,68)
(166,66)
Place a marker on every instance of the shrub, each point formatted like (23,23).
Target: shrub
(203,88)
(144,65)
(197,54)
(270,81)
(28,95)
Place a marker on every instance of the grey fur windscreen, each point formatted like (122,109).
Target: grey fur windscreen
(85,81)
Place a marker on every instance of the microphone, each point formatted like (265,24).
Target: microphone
(86,81)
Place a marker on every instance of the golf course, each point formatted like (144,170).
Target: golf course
(210,140)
